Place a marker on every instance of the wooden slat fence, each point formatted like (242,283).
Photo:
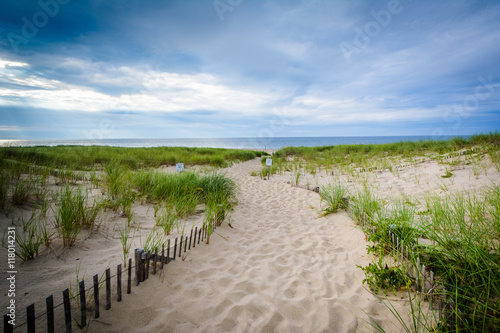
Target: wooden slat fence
(425,283)
(144,262)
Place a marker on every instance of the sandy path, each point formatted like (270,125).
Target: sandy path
(280,269)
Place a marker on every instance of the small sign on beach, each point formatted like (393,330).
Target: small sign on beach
(269,162)
(180,167)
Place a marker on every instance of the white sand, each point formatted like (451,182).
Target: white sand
(281,268)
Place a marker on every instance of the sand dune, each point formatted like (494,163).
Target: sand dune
(281,268)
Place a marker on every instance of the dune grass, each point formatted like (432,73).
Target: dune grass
(364,206)
(126,241)
(28,238)
(334,196)
(167,219)
(382,156)
(4,188)
(462,249)
(184,189)
(73,214)
(466,232)
(154,240)
(461,231)
(88,157)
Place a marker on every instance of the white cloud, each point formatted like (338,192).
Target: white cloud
(7,63)
(149,91)
(9,128)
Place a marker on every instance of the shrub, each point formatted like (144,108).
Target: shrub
(380,275)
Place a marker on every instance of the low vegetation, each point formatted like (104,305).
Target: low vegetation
(455,235)
(56,183)
(90,157)
(335,197)
(73,213)
(356,159)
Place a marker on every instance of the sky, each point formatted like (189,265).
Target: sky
(103,69)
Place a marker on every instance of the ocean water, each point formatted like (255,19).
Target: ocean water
(234,143)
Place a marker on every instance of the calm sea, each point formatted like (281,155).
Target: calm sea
(239,143)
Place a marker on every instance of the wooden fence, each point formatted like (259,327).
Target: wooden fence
(425,283)
(144,263)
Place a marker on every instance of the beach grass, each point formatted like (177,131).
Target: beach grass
(464,229)
(371,156)
(126,241)
(73,214)
(456,235)
(90,157)
(28,238)
(462,248)
(4,188)
(334,195)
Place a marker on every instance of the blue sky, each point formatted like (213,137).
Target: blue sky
(238,68)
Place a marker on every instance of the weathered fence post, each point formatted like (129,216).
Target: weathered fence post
(180,246)
(175,248)
(155,261)
(138,265)
(129,281)
(83,305)
(49,302)
(147,257)
(67,310)
(7,327)
(30,317)
(190,237)
(162,256)
(119,283)
(345,201)
(108,289)
(168,251)
(96,296)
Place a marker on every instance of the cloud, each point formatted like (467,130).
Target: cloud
(151,91)
(9,128)
(8,64)
(175,65)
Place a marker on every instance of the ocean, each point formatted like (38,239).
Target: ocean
(233,143)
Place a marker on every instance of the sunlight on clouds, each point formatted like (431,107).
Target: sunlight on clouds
(9,128)
(7,63)
(154,91)
(345,111)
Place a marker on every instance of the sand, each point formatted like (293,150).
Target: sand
(282,267)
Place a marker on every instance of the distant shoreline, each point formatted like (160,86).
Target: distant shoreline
(228,143)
